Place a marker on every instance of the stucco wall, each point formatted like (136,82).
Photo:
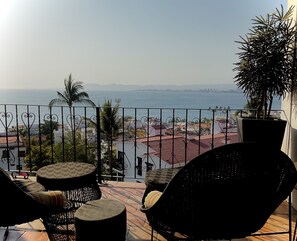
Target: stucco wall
(289,106)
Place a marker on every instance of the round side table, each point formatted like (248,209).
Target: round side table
(76,179)
(103,219)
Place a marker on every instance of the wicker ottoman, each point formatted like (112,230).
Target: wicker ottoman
(103,219)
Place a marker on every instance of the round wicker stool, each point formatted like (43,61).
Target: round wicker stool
(103,219)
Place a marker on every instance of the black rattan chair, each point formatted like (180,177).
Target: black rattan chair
(228,192)
(17,206)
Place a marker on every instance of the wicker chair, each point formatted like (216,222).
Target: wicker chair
(228,192)
(16,205)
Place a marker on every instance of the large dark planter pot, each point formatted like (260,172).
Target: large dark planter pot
(268,132)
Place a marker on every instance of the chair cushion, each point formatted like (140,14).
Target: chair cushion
(151,198)
(28,185)
(54,199)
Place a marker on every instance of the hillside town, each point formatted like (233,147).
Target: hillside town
(138,147)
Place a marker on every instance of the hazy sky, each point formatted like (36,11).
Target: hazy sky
(141,42)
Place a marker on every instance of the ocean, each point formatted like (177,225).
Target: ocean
(138,98)
(30,107)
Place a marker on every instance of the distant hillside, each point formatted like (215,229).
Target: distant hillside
(201,87)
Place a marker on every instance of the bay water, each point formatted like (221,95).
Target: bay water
(162,104)
(138,98)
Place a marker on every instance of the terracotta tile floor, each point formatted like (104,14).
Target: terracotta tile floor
(130,194)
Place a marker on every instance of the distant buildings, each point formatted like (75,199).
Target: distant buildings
(139,147)
(165,151)
(12,151)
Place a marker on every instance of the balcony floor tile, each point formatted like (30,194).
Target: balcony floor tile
(130,194)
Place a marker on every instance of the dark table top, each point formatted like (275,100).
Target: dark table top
(100,210)
(66,175)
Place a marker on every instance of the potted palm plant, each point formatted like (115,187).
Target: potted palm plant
(265,71)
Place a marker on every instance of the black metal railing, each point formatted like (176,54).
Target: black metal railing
(137,140)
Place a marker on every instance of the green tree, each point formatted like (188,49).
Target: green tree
(266,66)
(38,157)
(48,127)
(110,126)
(72,94)
(83,153)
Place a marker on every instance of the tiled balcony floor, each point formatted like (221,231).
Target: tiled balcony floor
(130,194)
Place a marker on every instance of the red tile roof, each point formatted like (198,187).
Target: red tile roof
(176,150)
(10,140)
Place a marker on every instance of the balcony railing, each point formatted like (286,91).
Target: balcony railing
(124,146)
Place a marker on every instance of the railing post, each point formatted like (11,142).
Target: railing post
(98,130)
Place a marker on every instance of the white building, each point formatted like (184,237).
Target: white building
(12,152)
(289,107)
(223,125)
(138,159)
(157,130)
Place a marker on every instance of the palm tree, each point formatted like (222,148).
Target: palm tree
(109,128)
(110,125)
(72,94)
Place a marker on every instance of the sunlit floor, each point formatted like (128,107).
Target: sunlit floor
(130,194)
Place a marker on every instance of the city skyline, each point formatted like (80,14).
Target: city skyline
(123,42)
